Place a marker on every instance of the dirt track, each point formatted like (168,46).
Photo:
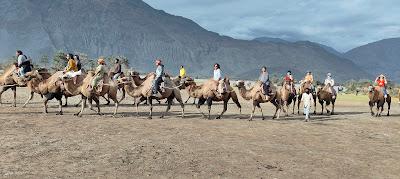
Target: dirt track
(351,144)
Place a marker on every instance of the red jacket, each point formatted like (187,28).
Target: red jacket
(381,82)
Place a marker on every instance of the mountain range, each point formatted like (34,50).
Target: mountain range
(134,29)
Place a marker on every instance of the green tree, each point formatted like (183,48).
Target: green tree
(59,61)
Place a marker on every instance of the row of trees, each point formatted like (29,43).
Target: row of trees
(58,61)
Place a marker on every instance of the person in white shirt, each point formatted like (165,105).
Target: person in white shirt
(219,78)
(307,98)
(23,64)
(217,72)
(331,81)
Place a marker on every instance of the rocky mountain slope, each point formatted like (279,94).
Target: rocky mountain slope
(134,29)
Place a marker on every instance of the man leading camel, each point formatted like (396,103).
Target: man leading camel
(331,81)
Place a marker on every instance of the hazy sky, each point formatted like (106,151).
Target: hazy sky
(342,24)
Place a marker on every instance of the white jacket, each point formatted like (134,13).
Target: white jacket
(330,80)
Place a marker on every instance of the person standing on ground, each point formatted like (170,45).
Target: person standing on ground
(307,98)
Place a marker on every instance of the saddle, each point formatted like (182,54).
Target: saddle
(222,87)
(101,84)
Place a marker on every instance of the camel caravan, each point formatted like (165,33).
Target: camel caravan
(91,86)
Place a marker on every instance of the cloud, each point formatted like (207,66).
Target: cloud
(341,24)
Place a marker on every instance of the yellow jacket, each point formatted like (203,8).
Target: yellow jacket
(182,72)
(309,78)
(71,65)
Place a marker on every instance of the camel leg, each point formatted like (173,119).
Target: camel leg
(262,113)
(377,110)
(29,99)
(150,102)
(83,106)
(327,108)
(200,102)
(285,108)
(123,95)
(137,102)
(169,103)
(14,89)
(3,89)
(328,103)
(66,101)
(322,107)
(277,110)
(79,102)
(371,105)
(97,101)
(209,103)
(1,93)
(45,104)
(107,99)
(315,104)
(294,104)
(255,103)
(179,99)
(333,108)
(236,101)
(187,100)
(298,104)
(225,108)
(116,104)
(60,105)
(389,100)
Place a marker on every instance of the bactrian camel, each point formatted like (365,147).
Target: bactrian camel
(108,87)
(207,92)
(256,96)
(143,92)
(376,97)
(325,96)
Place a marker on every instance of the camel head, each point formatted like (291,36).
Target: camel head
(35,74)
(133,73)
(240,84)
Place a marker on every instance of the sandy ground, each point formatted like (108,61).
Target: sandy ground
(351,144)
